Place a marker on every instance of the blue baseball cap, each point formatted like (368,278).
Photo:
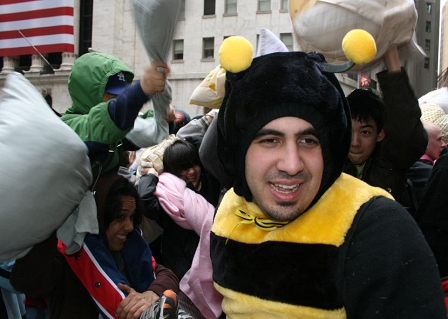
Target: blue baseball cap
(116,83)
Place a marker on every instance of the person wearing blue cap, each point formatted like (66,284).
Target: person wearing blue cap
(116,84)
(105,104)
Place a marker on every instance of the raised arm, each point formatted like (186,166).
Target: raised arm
(406,137)
(187,208)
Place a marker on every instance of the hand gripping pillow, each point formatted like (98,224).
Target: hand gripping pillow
(153,156)
(44,168)
(320,25)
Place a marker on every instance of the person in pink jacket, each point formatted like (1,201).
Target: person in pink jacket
(181,194)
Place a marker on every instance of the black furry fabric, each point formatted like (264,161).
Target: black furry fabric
(314,267)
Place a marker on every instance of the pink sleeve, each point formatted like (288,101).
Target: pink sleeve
(187,208)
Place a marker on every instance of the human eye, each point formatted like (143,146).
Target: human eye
(366,133)
(269,141)
(266,140)
(309,142)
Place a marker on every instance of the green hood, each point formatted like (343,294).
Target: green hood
(88,79)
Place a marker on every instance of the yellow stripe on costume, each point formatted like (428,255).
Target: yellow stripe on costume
(324,223)
(241,306)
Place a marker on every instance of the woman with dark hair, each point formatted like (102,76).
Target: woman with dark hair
(113,274)
(182,201)
(182,160)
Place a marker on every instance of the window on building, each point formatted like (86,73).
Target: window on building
(208,45)
(24,63)
(230,7)
(264,5)
(428,26)
(287,40)
(427,45)
(178,49)
(428,7)
(284,5)
(182,10)
(1,64)
(85,26)
(209,7)
(55,60)
(426,63)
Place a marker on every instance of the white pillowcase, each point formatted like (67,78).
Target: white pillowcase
(320,25)
(44,169)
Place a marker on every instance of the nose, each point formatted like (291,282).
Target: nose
(187,171)
(290,161)
(355,139)
(128,225)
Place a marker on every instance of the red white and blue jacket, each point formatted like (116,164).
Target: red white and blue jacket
(96,268)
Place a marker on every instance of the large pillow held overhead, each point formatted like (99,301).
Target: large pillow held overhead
(44,168)
(320,25)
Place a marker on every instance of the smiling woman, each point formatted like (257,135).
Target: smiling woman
(127,280)
(121,214)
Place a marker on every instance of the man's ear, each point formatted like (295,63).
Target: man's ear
(381,136)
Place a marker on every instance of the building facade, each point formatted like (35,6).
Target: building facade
(108,26)
(424,73)
(443,63)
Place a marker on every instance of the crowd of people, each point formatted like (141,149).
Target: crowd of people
(292,200)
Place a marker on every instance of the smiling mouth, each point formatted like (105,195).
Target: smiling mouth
(121,237)
(285,189)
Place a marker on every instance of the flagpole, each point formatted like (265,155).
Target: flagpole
(46,61)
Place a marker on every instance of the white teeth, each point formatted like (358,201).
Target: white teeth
(121,236)
(285,188)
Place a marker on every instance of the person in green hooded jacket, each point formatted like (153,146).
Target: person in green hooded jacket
(105,106)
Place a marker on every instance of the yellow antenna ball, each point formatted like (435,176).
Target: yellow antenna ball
(235,54)
(359,46)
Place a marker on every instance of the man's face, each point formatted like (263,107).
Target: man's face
(365,135)
(284,167)
(435,143)
(121,226)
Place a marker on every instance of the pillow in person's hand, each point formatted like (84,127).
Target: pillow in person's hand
(44,168)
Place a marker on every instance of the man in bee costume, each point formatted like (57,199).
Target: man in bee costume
(295,237)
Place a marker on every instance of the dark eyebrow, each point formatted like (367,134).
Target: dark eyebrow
(264,132)
(367,125)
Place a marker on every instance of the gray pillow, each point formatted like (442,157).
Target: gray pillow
(44,168)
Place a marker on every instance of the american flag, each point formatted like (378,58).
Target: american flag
(43,25)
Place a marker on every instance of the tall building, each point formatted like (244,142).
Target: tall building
(443,66)
(108,26)
(423,73)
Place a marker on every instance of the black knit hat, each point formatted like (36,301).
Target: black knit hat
(278,85)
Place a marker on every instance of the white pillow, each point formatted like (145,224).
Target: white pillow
(438,96)
(320,25)
(44,168)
